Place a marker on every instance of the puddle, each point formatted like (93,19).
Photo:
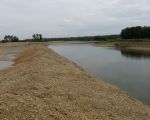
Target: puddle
(5,64)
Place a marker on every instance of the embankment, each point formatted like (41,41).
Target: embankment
(42,85)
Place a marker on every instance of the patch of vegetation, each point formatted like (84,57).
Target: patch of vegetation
(10,38)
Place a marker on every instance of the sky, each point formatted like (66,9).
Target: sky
(66,18)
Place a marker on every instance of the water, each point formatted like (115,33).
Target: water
(5,64)
(130,72)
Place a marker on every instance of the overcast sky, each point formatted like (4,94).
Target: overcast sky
(64,18)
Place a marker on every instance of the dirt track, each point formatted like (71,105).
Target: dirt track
(42,85)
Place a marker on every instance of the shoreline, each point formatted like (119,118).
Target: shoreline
(44,85)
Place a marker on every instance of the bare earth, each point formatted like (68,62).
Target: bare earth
(42,85)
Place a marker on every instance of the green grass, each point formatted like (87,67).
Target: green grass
(127,42)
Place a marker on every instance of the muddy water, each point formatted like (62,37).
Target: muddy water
(5,64)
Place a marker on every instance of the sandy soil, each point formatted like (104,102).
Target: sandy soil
(42,85)
(9,51)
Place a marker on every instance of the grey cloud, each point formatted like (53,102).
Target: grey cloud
(62,18)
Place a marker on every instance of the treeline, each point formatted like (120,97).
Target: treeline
(136,32)
(11,38)
(85,38)
(39,38)
(127,33)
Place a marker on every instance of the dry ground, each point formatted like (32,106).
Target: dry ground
(42,85)
(9,51)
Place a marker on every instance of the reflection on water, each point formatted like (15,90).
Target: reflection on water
(5,64)
(113,66)
(135,53)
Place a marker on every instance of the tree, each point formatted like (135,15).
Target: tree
(15,39)
(10,38)
(37,37)
(135,32)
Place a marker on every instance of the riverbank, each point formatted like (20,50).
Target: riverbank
(132,46)
(43,85)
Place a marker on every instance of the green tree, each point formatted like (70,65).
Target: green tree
(37,37)
(135,32)
(10,38)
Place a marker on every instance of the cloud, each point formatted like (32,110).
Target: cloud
(62,18)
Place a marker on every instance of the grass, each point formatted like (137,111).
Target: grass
(126,42)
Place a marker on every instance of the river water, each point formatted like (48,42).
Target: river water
(129,71)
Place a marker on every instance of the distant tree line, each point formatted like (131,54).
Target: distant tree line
(11,38)
(84,38)
(135,32)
